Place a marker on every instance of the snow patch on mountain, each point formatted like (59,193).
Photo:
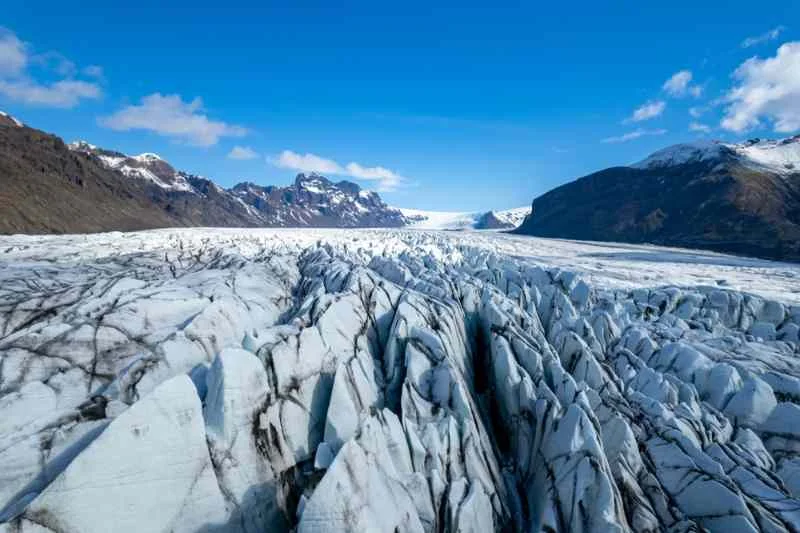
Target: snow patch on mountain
(513,217)
(780,156)
(681,154)
(12,119)
(147,157)
(147,166)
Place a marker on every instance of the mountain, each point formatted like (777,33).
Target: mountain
(458,220)
(311,201)
(48,188)
(506,219)
(51,187)
(741,198)
(314,201)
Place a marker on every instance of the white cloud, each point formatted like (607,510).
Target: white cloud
(697,112)
(770,35)
(242,153)
(169,116)
(63,94)
(633,135)
(767,89)
(386,179)
(13,55)
(55,62)
(699,128)
(17,83)
(306,163)
(648,111)
(94,71)
(679,85)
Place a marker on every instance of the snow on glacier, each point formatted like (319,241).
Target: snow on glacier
(393,380)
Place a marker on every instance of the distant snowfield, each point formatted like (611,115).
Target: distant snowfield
(613,265)
(329,380)
(460,220)
(440,219)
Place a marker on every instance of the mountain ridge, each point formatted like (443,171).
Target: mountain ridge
(145,191)
(741,198)
(54,187)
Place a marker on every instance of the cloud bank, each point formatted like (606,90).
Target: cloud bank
(169,116)
(630,136)
(679,85)
(647,111)
(766,91)
(770,35)
(242,153)
(386,180)
(18,84)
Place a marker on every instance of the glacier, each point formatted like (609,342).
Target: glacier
(316,380)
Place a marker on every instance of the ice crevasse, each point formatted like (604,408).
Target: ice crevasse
(415,383)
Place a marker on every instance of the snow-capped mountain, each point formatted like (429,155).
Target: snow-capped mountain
(735,197)
(460,220)
(148,166)
(312,200)
(9,120)
(90,188)
(778,156)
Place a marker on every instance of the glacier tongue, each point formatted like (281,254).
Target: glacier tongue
(206,380)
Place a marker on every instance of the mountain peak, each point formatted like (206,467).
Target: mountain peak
(82,146)
(5,117)
(147,157)
(781,156)
(311,179)
(734,197)
(681,154)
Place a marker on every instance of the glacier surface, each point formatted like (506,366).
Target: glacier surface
(222,380)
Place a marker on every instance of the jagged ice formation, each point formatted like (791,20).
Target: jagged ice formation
(267,380)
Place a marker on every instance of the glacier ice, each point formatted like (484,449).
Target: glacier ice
(315,380)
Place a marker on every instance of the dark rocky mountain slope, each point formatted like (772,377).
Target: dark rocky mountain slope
(47,186)
(738,198)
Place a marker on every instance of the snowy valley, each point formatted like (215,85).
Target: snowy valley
(393,380)
(388,267)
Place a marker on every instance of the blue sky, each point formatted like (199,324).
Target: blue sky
(449,107)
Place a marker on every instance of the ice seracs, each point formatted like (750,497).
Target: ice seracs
(393,380)
(149,470)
